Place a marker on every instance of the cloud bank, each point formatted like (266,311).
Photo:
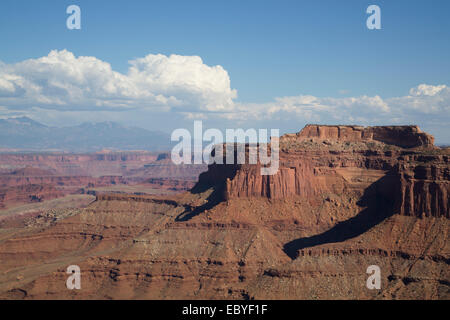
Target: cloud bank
(64,82)
(61,84)
(423,102)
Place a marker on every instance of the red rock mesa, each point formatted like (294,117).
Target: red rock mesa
(344,198)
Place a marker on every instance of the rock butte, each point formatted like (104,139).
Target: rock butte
(345,198)
(30,177)
(402,136)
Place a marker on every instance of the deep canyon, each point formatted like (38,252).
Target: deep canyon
(344,198)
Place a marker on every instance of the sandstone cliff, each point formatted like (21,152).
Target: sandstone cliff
(402,136)
(323,160)
(336,206)
(59,174)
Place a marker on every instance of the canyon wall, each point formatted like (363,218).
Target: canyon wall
(322,160)
(402,136)
(27,177)
(336,206)
(28,193)
(89,164)
(424,187)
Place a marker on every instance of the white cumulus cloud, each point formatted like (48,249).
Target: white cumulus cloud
(64,86)
(424,103)
(63,81)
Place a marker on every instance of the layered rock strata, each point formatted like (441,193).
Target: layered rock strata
(336,207)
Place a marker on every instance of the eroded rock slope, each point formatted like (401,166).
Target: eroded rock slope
(344,198)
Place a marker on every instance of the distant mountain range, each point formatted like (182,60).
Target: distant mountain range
(26,134)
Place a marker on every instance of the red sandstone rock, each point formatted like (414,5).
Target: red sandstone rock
(75,173)
(309,232)
(418,180)
(27,193)
(402,136)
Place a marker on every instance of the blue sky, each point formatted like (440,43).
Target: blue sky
(270,49)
